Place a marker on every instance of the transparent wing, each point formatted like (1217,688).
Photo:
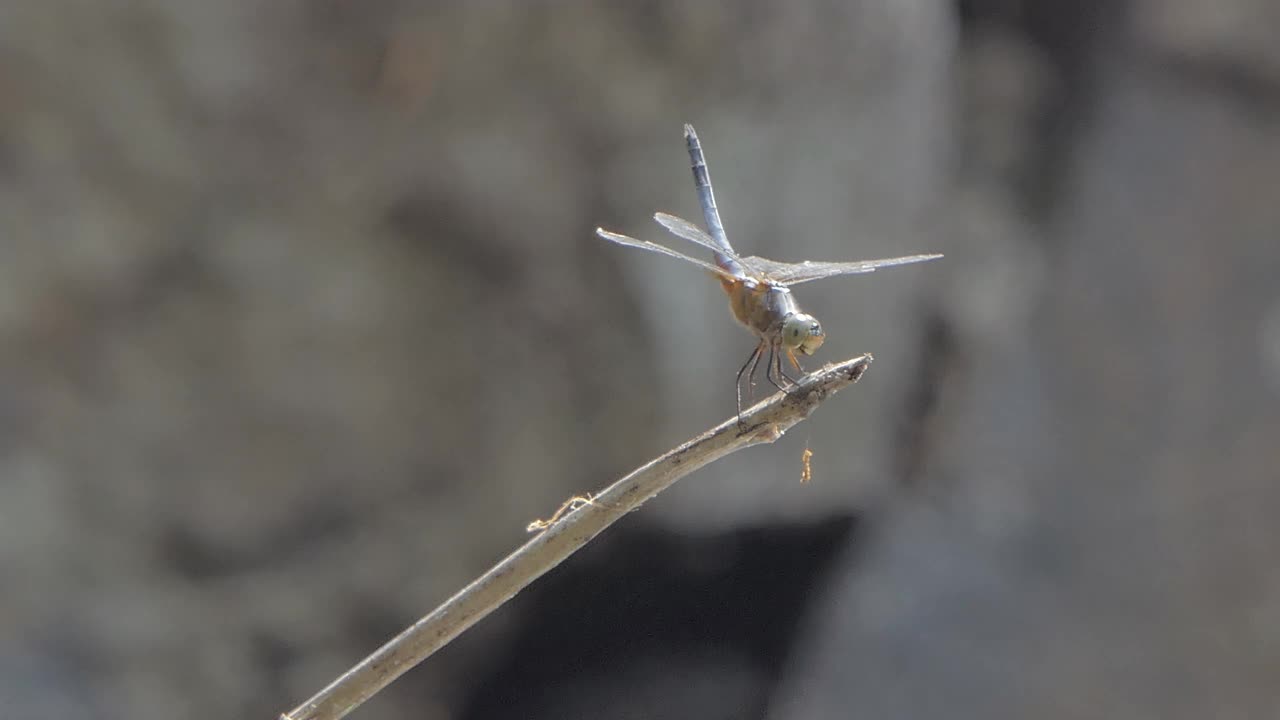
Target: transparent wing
(655,247)
(694,234)
(794,273)
(726,258)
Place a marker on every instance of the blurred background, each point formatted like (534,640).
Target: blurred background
(302,320)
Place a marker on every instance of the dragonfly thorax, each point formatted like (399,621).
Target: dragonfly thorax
(803,332)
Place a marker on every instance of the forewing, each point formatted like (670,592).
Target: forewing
(794,273)
(655,247)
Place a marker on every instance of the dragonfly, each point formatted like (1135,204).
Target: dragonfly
(759,289)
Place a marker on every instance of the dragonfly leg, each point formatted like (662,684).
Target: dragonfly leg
(773,372)
(752,362)
(782,368)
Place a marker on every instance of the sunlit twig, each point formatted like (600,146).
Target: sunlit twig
(576,525)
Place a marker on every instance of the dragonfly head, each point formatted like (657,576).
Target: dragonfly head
(801,331)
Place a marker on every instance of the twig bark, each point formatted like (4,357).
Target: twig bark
(764,423)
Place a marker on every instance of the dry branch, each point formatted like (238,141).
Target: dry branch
(763,423)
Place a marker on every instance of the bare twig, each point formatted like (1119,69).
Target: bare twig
(764,423)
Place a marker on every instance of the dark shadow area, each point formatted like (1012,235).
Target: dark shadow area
(599,636)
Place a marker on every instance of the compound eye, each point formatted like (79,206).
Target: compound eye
(795,330)
(813,339)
